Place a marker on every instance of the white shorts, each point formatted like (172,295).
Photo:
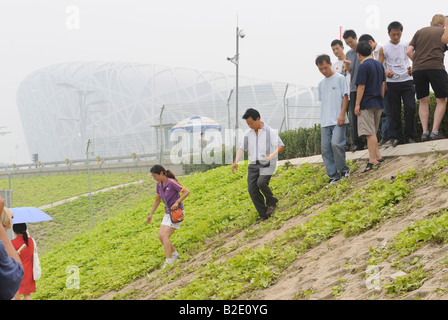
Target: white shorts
(167,221)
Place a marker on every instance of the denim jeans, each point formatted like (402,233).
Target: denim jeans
(333,150)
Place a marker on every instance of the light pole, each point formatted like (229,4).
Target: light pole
(83,107)
(236,61)
(90,186)
(94,141)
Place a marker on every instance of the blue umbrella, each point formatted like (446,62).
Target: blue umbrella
(28,214)
(196,123)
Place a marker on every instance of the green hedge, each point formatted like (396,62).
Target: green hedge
(300,142)
(418,126)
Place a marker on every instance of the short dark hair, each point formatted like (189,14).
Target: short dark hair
(395,26)
(251,113)
(348,34)
(336,42)
(366,37)
(364,48)
(323,58)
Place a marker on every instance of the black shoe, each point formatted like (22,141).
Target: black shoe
(357,148)
(410,140)
(270,210)
(265,217)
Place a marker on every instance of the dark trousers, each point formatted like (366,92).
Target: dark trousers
(259,190)
(396,93)
(353,118)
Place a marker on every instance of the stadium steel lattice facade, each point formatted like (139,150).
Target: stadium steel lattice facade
(119,106)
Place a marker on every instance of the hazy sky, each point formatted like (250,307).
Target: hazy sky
(283,37)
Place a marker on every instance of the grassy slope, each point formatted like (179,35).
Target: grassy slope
(123,248)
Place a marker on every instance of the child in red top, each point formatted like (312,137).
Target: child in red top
(28,285)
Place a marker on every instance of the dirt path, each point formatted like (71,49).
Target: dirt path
(54,204)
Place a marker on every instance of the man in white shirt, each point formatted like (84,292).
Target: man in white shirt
(263,145)
(400,85)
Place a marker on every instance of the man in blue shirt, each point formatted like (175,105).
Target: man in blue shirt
(371,82)
(333,94)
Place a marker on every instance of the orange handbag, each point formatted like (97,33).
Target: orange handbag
(175,215)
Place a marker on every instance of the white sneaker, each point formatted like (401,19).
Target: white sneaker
(167,262)
(175,256)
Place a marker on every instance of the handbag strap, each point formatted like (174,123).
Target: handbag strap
(163,194)
(35,245)
(163,197)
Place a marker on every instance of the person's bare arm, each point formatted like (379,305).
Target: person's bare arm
(8,245)
(239,155)
(410,52)
(359,95)
(341,119)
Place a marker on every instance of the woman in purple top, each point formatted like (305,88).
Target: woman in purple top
(168,185)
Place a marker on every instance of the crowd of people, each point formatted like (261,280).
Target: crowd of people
(370,85)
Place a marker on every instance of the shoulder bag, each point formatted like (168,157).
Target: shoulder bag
(36,263)
(175,215)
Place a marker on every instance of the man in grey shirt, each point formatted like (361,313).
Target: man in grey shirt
(263,144)
(352,64)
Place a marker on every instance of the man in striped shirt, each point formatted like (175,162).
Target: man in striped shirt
(263,144)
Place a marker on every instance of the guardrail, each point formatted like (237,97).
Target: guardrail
(93,160)
(132,163)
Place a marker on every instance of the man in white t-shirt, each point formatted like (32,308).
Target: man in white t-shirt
(338,66)
(400,86)
(333,94)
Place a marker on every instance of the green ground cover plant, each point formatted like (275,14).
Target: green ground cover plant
(256,268)
(125,247)
(122,247)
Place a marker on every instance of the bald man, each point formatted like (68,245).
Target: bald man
(427,51)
